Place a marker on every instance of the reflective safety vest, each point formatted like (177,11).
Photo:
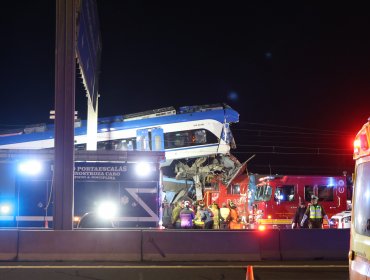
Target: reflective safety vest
(315,212)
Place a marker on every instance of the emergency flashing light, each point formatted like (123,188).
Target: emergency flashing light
(30,167)
(361,143)
(5,209)
(261,227)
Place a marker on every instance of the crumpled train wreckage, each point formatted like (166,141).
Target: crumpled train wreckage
(186,179)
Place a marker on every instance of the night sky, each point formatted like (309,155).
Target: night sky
(298,74)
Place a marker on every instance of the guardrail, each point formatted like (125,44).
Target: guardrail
(173,245)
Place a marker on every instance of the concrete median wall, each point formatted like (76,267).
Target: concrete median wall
(311,244)
(8,245)
(269,244)
(101,245)
(173,245)
(194,245)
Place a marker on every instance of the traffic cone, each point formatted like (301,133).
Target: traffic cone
(249,275)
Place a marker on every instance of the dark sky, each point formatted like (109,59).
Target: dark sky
(298,74)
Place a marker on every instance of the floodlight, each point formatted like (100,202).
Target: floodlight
(107,210)
(30,167)
(143,168)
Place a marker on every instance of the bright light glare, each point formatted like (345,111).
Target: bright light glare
(261,227)
(107,210)
(31,167)
(5,209)
(357,143)
(143,169)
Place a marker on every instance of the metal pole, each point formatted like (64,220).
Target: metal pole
(18,190)
(65,68)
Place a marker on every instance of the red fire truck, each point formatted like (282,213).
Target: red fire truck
(273,200)
(236,190)
(277,197)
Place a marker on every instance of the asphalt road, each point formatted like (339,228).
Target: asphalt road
(174,271)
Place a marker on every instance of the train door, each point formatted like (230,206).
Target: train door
(142,140)
(150,139)
(157,139)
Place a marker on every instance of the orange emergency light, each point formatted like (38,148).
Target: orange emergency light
(361,143)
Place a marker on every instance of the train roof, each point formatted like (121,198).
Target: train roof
(219,112)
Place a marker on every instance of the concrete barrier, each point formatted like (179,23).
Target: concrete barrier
(311,244)
(8,245)
(270,244)
(173,245)
(89,245)
(201,245)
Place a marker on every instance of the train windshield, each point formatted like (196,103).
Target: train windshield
(263,193)
(361,209)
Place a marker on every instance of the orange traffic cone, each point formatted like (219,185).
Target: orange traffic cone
(249,275)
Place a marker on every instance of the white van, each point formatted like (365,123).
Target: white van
(341,220)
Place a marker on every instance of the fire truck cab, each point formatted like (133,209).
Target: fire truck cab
(277,197)
(237,191)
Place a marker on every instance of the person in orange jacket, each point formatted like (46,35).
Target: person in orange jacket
(234,220)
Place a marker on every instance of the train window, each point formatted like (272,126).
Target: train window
(308,192)
(102,145)
(118,145)
(325,193)
(199,137)
(80,147)
(263,193)
(233,189)
(126,144)
(361,199)
(284,193)
(188,138)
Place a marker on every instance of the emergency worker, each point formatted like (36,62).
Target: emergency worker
(234,220)
(187,216)
(298,216)
(315,214)
(167,214)
(198,223)
(175,219)
(206,216)
(216,215)
(224,212)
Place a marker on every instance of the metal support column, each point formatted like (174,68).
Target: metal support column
(65,74)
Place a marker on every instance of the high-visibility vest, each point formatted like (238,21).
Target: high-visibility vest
(315,212)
